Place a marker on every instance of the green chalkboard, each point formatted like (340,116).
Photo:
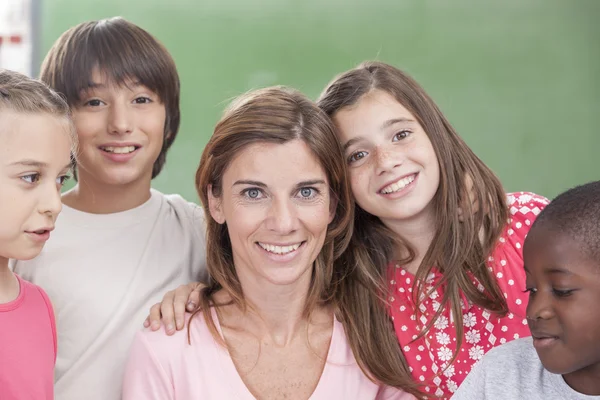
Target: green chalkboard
(519,79)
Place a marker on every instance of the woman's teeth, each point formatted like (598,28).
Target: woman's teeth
(279,249)
(399,185)
(119,150)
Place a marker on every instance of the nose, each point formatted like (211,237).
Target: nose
(120,119)
(50,201)
(540,307)
(283,218)
(387,159)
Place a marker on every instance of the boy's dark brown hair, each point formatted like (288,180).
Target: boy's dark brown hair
(123,51)
(575,213)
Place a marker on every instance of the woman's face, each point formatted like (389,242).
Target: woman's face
(393,167)
(276,203)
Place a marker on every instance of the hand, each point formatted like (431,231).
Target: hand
(173,307)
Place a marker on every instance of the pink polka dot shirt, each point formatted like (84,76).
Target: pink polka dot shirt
(428,356)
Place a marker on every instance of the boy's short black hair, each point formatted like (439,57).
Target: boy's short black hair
(575,213)
(122,51)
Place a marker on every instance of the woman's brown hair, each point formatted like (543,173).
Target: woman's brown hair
(459,249)
(280,115)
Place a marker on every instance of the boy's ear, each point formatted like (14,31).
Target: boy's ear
(215,206)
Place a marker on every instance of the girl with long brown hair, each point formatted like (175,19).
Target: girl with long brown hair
(272,319)
(454,287)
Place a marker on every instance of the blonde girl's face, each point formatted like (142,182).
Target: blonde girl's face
(34,163)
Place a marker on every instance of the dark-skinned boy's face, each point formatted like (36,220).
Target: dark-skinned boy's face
(564,304)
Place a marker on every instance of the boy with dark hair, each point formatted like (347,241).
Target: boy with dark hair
(118,244)
(562,358)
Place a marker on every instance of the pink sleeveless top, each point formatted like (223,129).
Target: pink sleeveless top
(27,345)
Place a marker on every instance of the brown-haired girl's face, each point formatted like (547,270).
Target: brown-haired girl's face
(275,200)
(393,167)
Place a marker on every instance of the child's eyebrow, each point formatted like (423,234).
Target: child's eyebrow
(30,163)
(559,271)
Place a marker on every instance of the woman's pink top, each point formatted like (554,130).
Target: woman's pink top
(165,367)
(428,356)
(27,345)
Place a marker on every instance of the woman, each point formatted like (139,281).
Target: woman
(454,286)
(274,321)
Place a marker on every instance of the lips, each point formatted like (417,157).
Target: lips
(398,184)
(280,249)
(119,148)
(41,231)
(542,339)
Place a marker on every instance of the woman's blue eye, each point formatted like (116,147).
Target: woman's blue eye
(306,192)
(253,193)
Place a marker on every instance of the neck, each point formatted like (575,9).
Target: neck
(585,381)
(418,231)
(95,197)
(276,311)
(9,286)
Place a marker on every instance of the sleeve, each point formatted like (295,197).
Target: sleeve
(473,387)
(145,377)
(506,261)
(52,317)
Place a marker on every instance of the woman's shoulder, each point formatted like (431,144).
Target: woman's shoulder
(195,334)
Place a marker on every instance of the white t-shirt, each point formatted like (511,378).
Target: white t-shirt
(102,273)
(514,371)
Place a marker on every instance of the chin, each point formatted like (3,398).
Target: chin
(27,255)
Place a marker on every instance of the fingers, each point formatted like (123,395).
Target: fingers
(171,310)
(153,319)
(181,303)
(167,311)
(194,299)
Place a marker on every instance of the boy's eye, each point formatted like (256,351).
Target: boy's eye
(401,135)
(93,103)
(530,290)
(562,293)
(61,180)
(142,100)
(357,156)
(31,178)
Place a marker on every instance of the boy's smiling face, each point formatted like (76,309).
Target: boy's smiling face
(121,132)
(564,306)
